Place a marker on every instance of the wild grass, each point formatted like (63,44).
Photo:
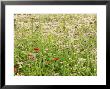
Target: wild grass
(55,45)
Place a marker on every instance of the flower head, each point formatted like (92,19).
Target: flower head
(55,59)
(46,49)
(36,49)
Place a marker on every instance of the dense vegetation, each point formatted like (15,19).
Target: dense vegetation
(55,44)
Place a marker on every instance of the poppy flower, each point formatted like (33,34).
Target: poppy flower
(36,49)
(55,59)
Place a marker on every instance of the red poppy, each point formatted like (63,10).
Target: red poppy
(36,49)
(55,59)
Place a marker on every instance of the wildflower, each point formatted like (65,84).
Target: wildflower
(46,49)
(20,64)
(55,59)
(69,58)
(31,56)
(81,59)
(36,49)
(28,65)
(61,62)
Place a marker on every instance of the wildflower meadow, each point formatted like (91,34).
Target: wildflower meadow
(55,44)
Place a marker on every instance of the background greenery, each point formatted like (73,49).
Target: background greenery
(65,43)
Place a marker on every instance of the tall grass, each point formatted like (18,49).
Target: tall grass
(55,44)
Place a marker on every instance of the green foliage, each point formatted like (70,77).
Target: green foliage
(55,44)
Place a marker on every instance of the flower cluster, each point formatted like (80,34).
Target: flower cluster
(37,50)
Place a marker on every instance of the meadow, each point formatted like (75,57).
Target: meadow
(55,44)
